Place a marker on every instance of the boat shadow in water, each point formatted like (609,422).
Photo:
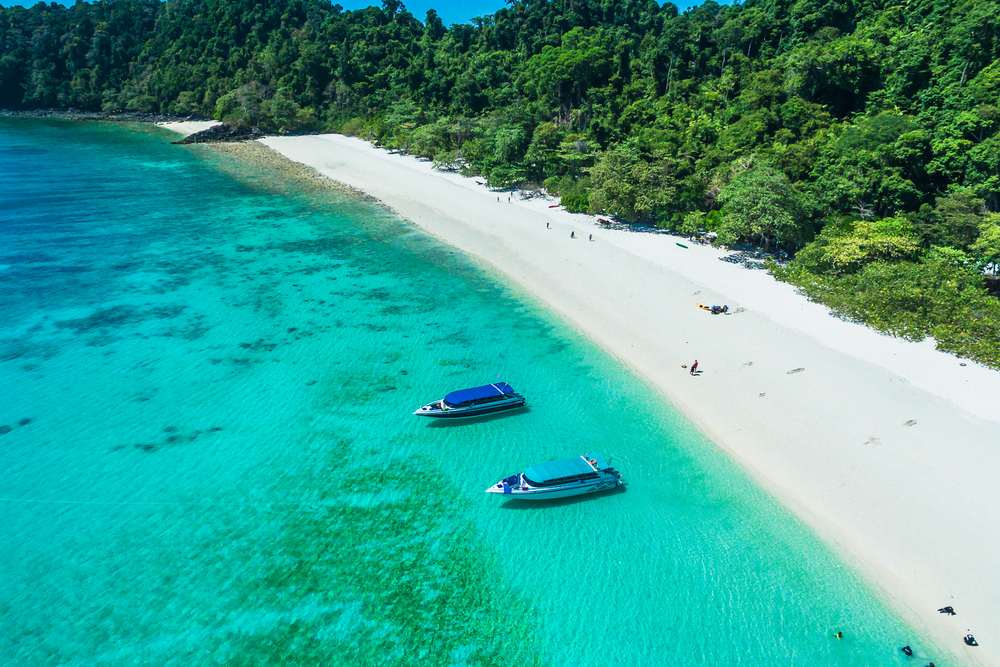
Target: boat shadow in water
(518,504)
(465,421)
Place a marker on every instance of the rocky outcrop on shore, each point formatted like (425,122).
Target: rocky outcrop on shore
(222,133)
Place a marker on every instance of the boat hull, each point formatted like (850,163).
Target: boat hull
(472,411)
(557,492)
(564,478)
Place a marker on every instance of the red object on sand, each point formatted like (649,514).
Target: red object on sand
(554,206)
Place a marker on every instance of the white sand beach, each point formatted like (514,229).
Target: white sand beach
(188,127)
(886,448)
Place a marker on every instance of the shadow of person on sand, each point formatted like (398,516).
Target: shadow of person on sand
(452,423)
(517,504)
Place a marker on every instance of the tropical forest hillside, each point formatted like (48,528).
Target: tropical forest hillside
(858,136)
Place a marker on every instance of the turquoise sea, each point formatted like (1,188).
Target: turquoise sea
(208,458)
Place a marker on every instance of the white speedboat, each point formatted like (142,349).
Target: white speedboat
(474,402)
(560,479)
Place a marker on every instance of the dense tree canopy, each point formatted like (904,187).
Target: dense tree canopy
(866,106)
(779,122)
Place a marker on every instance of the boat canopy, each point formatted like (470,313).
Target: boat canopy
(476,393)
(546,472)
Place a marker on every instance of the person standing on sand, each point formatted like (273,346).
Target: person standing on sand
(694,367)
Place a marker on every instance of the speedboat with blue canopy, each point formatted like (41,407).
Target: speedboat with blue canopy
(560,479)
(474,402)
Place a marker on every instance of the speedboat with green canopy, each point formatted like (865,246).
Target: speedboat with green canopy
(560,479)
(474,402)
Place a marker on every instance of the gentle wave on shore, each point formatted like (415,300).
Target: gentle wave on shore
(210,367)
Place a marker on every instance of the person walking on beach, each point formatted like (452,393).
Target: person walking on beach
(572,235)
(694,367)
(546,225)
(591,237)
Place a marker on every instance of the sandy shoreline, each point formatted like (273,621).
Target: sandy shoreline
(188,127)
(884,447)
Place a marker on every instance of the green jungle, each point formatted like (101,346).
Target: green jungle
(859,138)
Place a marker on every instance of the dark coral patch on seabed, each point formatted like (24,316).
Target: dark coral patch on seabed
(398,580)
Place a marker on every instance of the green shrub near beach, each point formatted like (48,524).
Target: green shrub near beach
(942,294)
(572,192)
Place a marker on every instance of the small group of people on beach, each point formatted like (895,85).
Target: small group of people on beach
(907,650)
(572,234)
(950,611)
(968,639)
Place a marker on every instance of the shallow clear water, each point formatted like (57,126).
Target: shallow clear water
(208,379)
